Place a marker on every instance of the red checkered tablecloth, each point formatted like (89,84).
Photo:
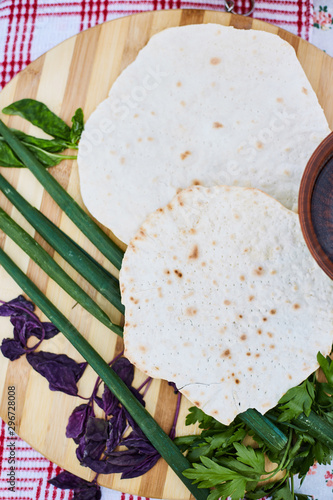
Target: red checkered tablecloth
(28,28)
(32,472)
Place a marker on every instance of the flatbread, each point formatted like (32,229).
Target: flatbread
(223,298)
(201,104)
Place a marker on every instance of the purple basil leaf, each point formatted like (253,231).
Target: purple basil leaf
(110,402)
(124,368)
(132,464)
(139,444)
(80,449)
(97,429)
(50,331)
(123,459)
(116,462)
(12,349)
(92,493)
(93,449)
(22,328)
(99,401)
(14,307)
(61,372)
(99,466)
(97,432)
(18,323)
(141,468)
(77,421)
(67,481)
(25,328)
(83,490)
(117,425)
(133,424)
(128,463)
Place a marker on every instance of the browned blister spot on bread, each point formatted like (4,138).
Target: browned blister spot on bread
(259,271)
(184,155)
(195,252)
(191,311)
(225,353)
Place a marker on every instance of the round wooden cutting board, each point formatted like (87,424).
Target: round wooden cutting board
(79,73)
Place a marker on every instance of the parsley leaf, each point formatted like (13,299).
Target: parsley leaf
(251,457)
(234,489)
(205,421)
(232,476)
(327,367)
(209,473)
(220,459)
(296,401)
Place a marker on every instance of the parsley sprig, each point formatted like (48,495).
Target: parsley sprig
(222,460)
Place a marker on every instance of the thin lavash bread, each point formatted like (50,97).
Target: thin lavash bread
(223,298)
(201,104)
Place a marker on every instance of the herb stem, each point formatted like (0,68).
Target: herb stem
(99,380)
(285,455)
(292,486)
(116,357)
(148,384)
(145,383)
(283,460)
(172,433)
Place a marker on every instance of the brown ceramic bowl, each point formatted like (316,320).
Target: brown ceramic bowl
(315,205)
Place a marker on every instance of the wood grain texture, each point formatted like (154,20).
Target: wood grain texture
(79,73)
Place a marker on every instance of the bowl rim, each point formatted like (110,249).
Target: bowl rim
(317,162)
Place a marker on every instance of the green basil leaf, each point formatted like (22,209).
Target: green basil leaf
(51,145)
(8,157)
(41,116)
(48,159)
(77,126)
